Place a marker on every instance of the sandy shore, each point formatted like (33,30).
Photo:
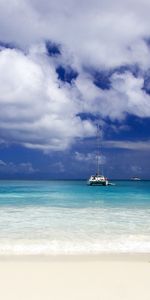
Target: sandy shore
(105,277)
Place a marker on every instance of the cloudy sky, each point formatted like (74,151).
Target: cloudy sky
(66,65)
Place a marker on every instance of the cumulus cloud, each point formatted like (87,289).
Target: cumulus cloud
(11,168)
(83,157)
(38,109)
(126,95)
(96,33)
(89,157)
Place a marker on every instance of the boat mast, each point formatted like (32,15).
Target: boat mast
(98,149)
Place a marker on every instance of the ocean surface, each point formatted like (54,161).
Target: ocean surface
(69,217)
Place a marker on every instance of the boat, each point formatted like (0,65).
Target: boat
(136,178)
(98,179)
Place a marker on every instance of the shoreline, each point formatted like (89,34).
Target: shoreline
(131,257)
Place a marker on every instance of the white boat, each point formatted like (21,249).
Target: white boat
(136,178)
(98,178)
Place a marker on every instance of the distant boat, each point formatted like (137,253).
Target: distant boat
(98,179)
(135,178)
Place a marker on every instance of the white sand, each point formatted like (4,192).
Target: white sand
(79,278)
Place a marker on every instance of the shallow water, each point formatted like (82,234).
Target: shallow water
(69,217)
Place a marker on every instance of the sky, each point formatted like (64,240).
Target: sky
(66,66)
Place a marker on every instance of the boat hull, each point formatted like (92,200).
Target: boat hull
(104,183)
(98,184)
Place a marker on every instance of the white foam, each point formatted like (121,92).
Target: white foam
(130,245)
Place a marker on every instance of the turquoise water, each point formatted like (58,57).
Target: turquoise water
(69,217)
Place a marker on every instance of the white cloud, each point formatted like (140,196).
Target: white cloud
(26,168)
(40,111)
(136,169)
(58,167)
(84,157)
(89,157)
(23,168)
(138,145)
(126,95)
(95,33)
(2,163)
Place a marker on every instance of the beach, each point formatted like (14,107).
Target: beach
(74,150)
(106,277)
(64,240)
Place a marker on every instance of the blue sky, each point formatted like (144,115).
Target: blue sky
(64,67)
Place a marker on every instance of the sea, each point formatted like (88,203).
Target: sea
(70,217)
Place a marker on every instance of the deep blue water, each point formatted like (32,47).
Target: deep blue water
(61,217)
